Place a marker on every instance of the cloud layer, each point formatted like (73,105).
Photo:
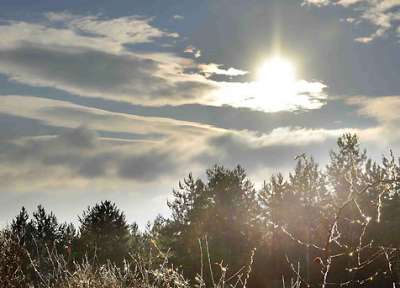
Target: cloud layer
(90,56)
(113,147)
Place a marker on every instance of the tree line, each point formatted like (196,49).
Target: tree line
(336,226)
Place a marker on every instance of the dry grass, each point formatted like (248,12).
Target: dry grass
(20,269)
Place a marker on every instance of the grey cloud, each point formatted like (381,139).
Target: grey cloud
(81,138)
(92,70)
(13,127)
(79,153)
(65,148)
(95,73)
(96,166)
(240,148)
(383,14)
(145,167)
(334,115)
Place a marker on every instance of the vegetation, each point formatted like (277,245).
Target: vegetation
(331,227)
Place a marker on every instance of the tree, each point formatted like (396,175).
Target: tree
(39,238)
(337,223)
(46,230)
(42,232)
(293,209)
(224,210)
(104,233)
(346,168)
(361,194)
(20,225)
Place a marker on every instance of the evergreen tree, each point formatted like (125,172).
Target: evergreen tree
(40,238)
(224,210)
(346,168)
(104,233)
(21,227)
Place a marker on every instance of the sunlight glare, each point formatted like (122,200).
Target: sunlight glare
(276,88)
(277,73)
(276,84)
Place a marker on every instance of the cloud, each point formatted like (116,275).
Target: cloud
(193,50)
(148,166)
(384,15)
(55,113)
(255,95)
(383,135)
(212,68)
(132,149)
(275,150)
(13,127)
(115,149)
(94,73)
(384,110)
(377,107)
(178,17)
(316,2)
(88,56)
(122,30)
(78,157)
(94,32)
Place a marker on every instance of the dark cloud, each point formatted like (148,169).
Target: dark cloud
(94,73)
(13,127)
(80,153)
(81,138)
(233,148)
(65,148)
(96,166)
(147,167)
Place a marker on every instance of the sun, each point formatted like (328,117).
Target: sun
(277,72)
(276,84)
(276,87)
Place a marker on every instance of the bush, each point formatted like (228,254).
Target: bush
(13,260)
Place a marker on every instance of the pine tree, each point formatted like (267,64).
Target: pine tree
(104,233)
(224,210)
(346,168)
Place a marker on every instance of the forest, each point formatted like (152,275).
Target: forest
(331,226)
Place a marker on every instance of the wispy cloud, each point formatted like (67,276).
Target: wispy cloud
(178,17)
(94,32)
(384,15)
(94,73)
(110,148)
(212,68)
(384,109)
(114,148)
(89,56)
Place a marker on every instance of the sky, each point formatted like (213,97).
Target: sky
(120,100)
